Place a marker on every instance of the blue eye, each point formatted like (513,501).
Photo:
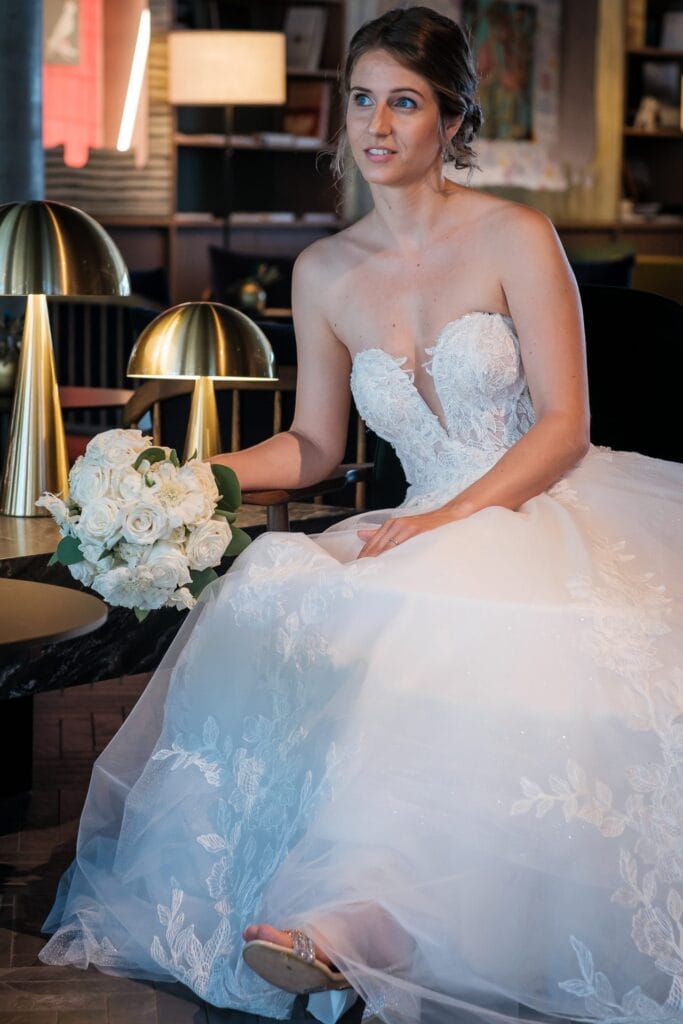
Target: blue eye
(361,99)
(405,103)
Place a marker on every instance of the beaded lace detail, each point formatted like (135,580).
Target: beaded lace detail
(481,385)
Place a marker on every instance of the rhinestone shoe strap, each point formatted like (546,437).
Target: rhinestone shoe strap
(302,945)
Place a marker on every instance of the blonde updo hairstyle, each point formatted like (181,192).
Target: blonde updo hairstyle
(436,48)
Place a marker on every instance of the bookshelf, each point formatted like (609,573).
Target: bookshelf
(280,156)
(652,142)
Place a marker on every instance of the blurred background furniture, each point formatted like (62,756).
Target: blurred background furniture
(34,615)
(610,263)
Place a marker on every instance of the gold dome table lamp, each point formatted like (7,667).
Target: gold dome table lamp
(203,341)
(46,248)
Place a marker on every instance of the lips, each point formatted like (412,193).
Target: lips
(379,154)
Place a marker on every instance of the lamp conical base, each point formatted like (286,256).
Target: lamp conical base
(36,453)
(203,436)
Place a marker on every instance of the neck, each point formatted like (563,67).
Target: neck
(413,214)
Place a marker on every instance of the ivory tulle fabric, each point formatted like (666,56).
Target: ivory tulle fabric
(458,765)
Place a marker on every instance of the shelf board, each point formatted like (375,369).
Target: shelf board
(664,133)
(210,140)
(326,73)
(655,52)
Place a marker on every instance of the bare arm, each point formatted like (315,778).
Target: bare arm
(544,303)
(315,443)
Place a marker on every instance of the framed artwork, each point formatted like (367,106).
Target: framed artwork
(305,31)
(61,32)
(504,37)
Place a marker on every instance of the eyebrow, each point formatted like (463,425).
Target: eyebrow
(407,88)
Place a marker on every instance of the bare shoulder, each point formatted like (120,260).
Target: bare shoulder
(507,226)
(322,262)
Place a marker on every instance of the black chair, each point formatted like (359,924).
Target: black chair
(633,341)
(608,272)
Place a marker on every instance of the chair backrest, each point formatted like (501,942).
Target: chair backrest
(633,341)
(608,272)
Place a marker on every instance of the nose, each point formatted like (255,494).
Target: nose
(380,122)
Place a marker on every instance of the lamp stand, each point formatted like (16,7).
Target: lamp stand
(36,454)
(228,172)
(203,430)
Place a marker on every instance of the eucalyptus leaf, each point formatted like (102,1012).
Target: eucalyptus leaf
(230,516)
(174,458)
(193,456)
(240,541)
(150,455)
(141,613)
(228,485)
(54,560)
(200,579)
(68,551)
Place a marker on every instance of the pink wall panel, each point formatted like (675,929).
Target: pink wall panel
(73,93)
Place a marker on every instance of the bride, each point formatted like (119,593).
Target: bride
(440,745)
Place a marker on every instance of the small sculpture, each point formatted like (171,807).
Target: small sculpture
(647,115)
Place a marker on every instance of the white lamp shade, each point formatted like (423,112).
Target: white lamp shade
(220,68)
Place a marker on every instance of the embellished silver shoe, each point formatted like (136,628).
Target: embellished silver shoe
(294,970)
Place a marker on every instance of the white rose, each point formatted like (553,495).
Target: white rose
(116,448)
(145,522)
(100,523)
(87,481)
(128,483)
(168,565)
(181,598)
(206,545)
(59,511)
(85,572)
(130,588)
(199,475)
(184,505)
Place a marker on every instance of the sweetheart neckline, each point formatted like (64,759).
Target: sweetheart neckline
(431,351)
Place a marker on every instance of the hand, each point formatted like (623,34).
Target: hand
(396,531)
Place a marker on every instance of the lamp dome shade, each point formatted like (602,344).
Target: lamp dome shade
(49,248)
(203,339)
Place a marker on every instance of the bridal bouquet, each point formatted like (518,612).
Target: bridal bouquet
(141,529)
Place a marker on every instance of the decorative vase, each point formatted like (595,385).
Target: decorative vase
(252,296)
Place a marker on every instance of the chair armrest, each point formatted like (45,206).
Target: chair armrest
(343,475)
(93,398)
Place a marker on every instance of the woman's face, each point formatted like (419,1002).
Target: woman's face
(392,121)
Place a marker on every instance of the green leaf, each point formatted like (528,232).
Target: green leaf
(229,487)
(68,551)
(240,541)
(200,579)
(193,456)
(230,516)
(141,613)
(150,455)
(54,560)
(174,458)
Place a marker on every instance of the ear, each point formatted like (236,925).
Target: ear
(452,127)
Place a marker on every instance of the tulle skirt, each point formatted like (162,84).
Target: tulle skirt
(458,766)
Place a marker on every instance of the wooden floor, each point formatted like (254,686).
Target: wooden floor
(37,837)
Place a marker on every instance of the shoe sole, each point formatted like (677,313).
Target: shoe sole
(282,968)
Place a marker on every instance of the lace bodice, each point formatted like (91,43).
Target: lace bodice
(480,382)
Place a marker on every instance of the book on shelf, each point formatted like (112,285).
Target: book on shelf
(307,111)
(247,217)
(305,31)
(287,140)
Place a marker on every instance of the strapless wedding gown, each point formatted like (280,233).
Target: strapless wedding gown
(458,765)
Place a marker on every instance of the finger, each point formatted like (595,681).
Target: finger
(366,534)
(381,540)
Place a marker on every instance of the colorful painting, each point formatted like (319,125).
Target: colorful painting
(504,39)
